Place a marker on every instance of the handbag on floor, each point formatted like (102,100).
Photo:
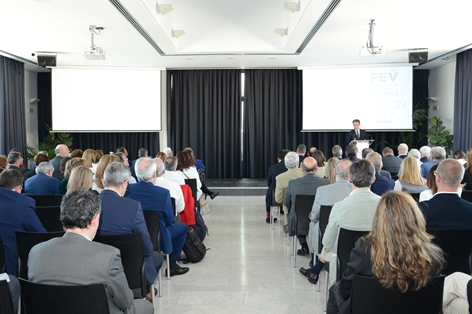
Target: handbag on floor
(194,249)
(202,203)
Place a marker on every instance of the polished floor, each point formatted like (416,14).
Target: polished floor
(247,269)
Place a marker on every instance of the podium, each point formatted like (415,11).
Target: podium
(361,144)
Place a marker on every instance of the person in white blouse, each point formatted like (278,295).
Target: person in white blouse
(185,165)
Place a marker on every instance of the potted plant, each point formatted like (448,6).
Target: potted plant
(439,136)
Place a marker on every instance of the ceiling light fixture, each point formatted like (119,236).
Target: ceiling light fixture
(281,31)
(163,8)
(373,50)
(178,33)
(292,6)
(95,52)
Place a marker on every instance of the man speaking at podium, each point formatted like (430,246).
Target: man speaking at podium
(356,133)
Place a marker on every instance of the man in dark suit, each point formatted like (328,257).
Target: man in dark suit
(42,182)
(15,159)
(356,133)
(390,162)
(155,198)
(61,152)
(301,152)
(382,183)
(75,260)
(17,213)
(337,152)
(402,151)
(446,210)
(351,152)
(274,171)
(306,185)
(121,215)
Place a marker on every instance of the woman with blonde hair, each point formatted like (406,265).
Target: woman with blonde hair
(410,179)
(70,164)
(102,165)
(162,156)
(90,157)
(81,178)
(329,172)
(398,251)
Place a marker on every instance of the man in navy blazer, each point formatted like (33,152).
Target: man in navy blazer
(43,182)
(446,210)
(155,198)
(17,213)
(382,183)
(121,215)
(356,133)
(274,171)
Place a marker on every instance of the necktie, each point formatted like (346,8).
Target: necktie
(357,134)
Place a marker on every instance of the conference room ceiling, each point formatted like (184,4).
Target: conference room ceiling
(234,34)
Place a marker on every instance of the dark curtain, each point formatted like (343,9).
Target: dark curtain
(12,106)
(204,112)
(463,102)
(420,99)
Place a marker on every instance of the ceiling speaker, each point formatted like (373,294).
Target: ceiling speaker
(418,56)
(47,60)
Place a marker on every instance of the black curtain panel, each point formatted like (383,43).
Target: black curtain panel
(12,106)
(463,102)
(204,113)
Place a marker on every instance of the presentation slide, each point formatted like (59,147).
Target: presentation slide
(106,100)
(380,97)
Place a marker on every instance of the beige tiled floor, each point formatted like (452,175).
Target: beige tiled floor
(247,269)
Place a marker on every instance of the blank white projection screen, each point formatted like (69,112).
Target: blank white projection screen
(380,97)
(106,100)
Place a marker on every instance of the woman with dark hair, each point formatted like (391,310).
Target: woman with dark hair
(460,156)
(321,162)
(398,252)
(202,173)
(185,165)
(468,172)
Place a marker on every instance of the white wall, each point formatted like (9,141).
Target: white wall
(31,110)
(441,86)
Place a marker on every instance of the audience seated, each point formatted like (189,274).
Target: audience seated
(398,236)
(274,171)
(142,152)
(382,183)
(467,179)
(39,158)
(312,151)
(17,213)
(410,179)
(70,165)
(42,182)
(15,160)
(76,153)
(185,166)
(61,152)
(81,178)
(155,198)
(321,162)
(351,152)
(124,159)
(460,156)
(168,152)
(121,215)
(171,174)
(355,212)
(4,162)
(389,161)
(62,168)
(102,165)
(366,151)
(202,175)
(416,154)
(291,161)
(91,159)
(76,260)
(402,151)
(337,152)
(425,153)
(306,185)
(174,189)
(438,154)
(301,152)
(330,165)
(162,156)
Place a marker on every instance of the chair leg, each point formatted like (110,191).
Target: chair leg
(272,217)
(293,252)
(168,266)
(326,292)
(159,276)
(319,286)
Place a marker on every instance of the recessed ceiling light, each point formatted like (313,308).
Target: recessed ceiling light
(230,58)
(273,58)
(188,58)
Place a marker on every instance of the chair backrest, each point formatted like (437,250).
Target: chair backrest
(303,206)
(457,247)
(369,297)
(416,196)
(2,257)
(49,217)
(346,241)
(46,199)
(6,303)
(132,256)
(323,223)
(467,195)
(172,201)
(39,298)
(394,175)
(25,242)
(154,228)
(192,183)
(273,186)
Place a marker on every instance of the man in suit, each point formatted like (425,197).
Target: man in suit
(356,133)
(301,152)
(305,185)
(142,152)
(447,210)
(390,162)
(382,183)
(351,152)
(61,152)
(75,260)
(274,171)
(121,215)
(17,213)
(425,153)
(402,151)
(291,162)
(438,154)
(15,159)
(337,152)
(355,212)
(155,198)
(42,182)
(329,195)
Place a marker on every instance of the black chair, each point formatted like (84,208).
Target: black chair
(457,246)
(25,242)
(325,211)
(303,206)
(154,228)
(466,195)
(346,241)
(394,175)
(369,297)
(2,257)
(39,298)
(172,201)
(49,217)
(132,256)
(192,183)
(6,302)
(46,199)
(416,196)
